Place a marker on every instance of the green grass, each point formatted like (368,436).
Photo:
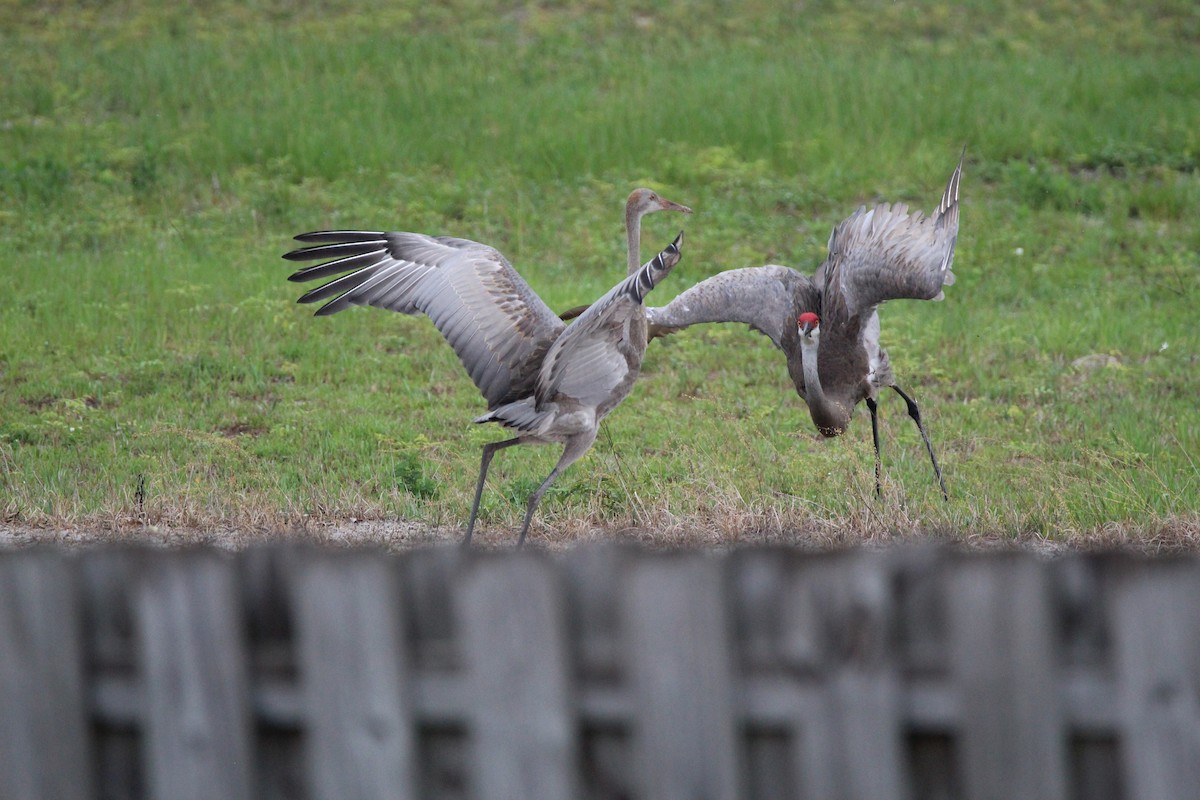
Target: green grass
(154,163)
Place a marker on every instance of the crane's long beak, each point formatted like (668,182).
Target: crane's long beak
(805,328)
(672,206)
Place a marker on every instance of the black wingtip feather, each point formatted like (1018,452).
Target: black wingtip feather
(345,264)
(339,237)
(332,307)
(338,250)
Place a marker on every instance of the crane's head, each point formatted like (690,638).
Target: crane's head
(647,201)
(809,324)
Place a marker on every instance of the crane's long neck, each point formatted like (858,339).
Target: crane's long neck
(827,414)
(633,235)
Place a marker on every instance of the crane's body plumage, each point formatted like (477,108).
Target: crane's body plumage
(546,381)
(875,255)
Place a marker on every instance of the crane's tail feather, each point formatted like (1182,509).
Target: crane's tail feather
(519,415)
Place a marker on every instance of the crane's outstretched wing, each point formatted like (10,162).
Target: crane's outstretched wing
(768,299)
(885,253)
(594,360)
(484,309)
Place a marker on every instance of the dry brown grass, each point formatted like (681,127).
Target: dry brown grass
(653,528)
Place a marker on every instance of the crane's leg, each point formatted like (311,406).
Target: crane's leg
(575,448)
(489,450)
(915,413)
(874,406)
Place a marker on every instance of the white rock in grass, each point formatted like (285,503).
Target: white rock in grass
(1095,361)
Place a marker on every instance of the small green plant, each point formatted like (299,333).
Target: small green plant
(410,475)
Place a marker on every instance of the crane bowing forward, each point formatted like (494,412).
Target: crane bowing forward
(828,325)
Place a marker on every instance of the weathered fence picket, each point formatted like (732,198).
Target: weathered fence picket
(520,710)
(603,673)
(197,715)
(1157,642)
(43,741)
(356,678)
(678,660)
(860,730)
(1011,731)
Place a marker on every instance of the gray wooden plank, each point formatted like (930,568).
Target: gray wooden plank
(759,579)
(920,602)
(933,772)
(110,638)
(851,740)
(274,685)
(592,572)
(865,691)
(1084,627)
(1096,768)
(427,579)
(114,685)
(605,757)
(686,735)
(1156,632)
(770,771)
(43,725)
(511,610)
(1002,623)
(198,730)
(355,675)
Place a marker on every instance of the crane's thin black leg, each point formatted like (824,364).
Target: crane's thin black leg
(489,450)
(915,413)
(874,407)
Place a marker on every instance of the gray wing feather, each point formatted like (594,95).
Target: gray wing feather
(768,299)
(885,253)
(596,360)
(484,309)
(587,362)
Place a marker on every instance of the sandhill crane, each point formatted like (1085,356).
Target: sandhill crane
(639,203)
(828,325)
(548,382)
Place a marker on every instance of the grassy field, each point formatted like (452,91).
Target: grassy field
(154,163)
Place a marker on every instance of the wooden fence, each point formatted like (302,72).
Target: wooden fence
(602,673)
